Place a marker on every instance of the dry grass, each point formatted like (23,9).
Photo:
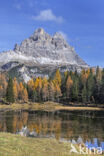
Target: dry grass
(79,108)
(15,145)
(47,106)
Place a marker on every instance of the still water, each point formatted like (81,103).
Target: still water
(58,124)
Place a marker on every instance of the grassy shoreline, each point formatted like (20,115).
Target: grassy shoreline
(11,144)
(15,145)
(47,106)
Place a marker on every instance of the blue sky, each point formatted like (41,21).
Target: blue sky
(80,21)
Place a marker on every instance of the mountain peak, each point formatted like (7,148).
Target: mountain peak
(58,35)
(39,31)
(40,35)
(41,48)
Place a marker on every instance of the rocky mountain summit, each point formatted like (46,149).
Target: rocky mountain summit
(39,52)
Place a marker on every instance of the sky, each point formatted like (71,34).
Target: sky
(81,22)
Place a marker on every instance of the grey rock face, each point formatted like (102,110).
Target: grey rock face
(40,55)
(48,49)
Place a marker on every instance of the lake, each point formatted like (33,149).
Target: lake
(59,124)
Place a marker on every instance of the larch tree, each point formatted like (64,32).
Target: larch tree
(3,84)
(69,84)
(45,92)
(57,77)
(51,91)
(25,95)
(21,87)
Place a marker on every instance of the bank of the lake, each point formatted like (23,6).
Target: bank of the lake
(11,145)
(47,106)
(15,145)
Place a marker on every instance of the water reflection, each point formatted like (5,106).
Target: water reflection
(61,124)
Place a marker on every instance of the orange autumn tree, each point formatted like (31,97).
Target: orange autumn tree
(69,84)
(57,84)
(35,89)
(23,94)
(51,91)
(31,84)
(3,85)
(84,76)
(36,83)
(45,92)
(38,89)
(57,77)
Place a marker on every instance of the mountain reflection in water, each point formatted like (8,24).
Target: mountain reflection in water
(89,144)
(62,125)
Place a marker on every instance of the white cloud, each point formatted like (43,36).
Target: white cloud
(47,15)
(64,35)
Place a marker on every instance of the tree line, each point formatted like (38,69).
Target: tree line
(84,87)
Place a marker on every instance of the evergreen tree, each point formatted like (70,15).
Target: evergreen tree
(15,88)
(34,96)
(9,92)
(87,86)
(90,86)
(84,94)
(97,89)
(75,89)
(30,88)
(63,85)
(102,89)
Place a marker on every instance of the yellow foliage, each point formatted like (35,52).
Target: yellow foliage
(31,84)
(57,78)
(23,94)
(69,84)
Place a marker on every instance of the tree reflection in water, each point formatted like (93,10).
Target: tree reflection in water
(64,124)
